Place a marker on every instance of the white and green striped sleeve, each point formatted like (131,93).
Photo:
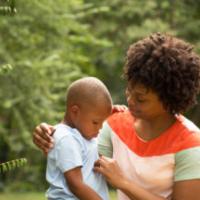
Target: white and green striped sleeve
(187,164)
(105,146)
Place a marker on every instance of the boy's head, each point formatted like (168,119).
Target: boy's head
(88,104)
(167,66)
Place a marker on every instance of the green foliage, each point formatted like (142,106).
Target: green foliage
(7,7)
(47,44)
(12,164)
(22,196)
(36,195)
(130,20)
(5,69)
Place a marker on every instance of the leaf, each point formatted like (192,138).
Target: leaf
(10,165)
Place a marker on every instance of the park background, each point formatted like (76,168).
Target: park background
(47,44)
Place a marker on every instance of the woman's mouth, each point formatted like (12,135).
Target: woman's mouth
(134,112)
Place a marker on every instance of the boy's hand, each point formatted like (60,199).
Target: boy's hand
(42,137)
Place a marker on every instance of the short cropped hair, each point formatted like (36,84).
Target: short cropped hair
(168,66)
(88,91)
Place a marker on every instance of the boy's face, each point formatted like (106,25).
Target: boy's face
(89,120)
(143,103)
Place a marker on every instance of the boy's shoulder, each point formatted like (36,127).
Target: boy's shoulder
(65,131)
(61,130)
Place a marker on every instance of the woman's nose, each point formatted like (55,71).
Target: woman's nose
(130,100)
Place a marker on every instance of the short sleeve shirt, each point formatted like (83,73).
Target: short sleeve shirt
(72,150)
(156,164)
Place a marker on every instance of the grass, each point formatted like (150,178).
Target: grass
(22,196)
(34,196)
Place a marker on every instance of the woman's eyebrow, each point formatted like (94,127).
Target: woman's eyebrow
(141,93)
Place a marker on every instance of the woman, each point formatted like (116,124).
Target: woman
(155,149)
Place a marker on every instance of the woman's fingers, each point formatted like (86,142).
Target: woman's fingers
(109,168)
(42,137)
(42,143)
(103,165)
(105,161)
(119,108)
(45,128)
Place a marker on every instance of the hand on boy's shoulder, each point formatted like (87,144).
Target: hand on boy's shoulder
(42,137)
(119,108)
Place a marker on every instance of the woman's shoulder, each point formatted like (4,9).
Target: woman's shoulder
(188,124)
(187,164)
(119,116)
(189,134)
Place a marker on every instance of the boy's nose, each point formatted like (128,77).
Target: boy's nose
(98,127)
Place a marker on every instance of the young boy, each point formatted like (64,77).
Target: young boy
(70,163)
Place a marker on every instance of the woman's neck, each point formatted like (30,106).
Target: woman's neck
(148,129)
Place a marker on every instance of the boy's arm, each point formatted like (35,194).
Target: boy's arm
(78,187)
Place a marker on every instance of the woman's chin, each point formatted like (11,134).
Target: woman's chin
(135,114)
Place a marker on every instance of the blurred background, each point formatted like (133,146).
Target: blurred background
(46,44)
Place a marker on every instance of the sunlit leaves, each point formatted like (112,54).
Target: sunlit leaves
(12,164)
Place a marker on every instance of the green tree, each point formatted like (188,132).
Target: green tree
(46,44)
(130,20)
(50,43)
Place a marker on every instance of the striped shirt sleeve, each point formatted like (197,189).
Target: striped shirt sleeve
(104,141)
(187,164)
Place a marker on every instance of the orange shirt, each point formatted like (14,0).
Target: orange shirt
(155,164)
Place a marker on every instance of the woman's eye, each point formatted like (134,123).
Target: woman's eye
(141,100)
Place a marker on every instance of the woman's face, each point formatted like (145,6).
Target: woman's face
(144,103)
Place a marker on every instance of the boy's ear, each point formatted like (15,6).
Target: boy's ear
(74,109)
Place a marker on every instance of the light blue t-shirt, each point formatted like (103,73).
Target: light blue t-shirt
(70,151)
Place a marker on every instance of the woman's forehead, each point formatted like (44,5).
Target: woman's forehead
(142,91)
(137,87)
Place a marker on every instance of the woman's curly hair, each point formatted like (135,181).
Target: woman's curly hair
(168,66)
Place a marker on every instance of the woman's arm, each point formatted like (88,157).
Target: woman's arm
(187,174)
(187,190)
(104,141)
(42,133)
(78,187)
(113,174)
(182,190)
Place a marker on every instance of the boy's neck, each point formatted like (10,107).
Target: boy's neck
(67,120)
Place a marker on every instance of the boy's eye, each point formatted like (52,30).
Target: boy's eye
(95,123)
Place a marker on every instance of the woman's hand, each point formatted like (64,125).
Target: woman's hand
(119,108)
(109,168)
(42,137)
(111,171)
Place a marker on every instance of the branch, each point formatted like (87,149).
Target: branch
(12,164)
